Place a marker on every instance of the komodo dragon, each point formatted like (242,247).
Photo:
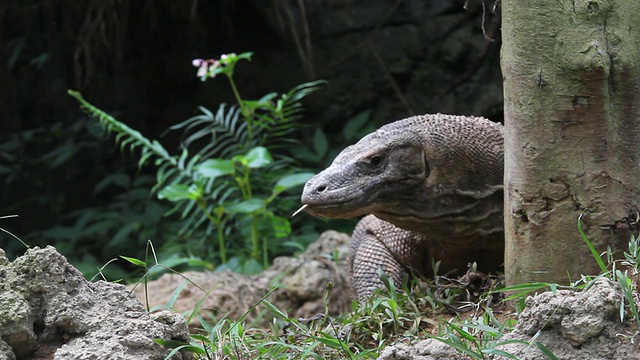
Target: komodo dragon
(431,187)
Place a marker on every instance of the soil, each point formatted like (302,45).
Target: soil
(299,282)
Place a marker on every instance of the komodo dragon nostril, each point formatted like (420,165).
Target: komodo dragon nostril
(321,188)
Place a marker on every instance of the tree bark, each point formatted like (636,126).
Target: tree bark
(571,74)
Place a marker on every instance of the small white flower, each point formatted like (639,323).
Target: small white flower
(202,70)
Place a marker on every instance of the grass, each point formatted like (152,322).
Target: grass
(469,314)
(391,315)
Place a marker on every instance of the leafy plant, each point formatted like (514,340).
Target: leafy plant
(230,183)
(627,277)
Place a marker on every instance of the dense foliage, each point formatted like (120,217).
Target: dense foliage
(228,180)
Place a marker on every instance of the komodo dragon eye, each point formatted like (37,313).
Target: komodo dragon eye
(375,160)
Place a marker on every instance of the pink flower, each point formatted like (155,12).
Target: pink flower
(202,70)
(206,67)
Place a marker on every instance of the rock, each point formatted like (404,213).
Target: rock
(301,282)
(48,310)
(575,325)
(333,18)
(403,57)
(428,349)
(572,325)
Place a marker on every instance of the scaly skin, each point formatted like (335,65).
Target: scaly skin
(433,185)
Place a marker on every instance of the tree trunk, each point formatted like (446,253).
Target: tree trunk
(572,133)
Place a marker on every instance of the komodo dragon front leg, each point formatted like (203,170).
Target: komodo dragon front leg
(379,245)
(434,186)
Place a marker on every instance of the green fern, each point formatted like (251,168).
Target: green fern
(170,168)
(226,134)
(126,136)
(222,181)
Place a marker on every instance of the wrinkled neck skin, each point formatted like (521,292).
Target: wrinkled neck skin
(449,214)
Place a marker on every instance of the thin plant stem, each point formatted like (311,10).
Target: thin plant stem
(248,183)
(255,251)
(236,93)
(223,250)
(202,205)
(265,253)
(235,90)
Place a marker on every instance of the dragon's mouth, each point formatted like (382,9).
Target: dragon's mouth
(345,208)
(330,199)
(329,211)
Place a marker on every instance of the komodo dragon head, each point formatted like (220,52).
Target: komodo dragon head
(414,173)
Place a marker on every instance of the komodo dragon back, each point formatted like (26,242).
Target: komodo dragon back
(432,187)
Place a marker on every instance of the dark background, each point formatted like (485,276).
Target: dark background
(383,60)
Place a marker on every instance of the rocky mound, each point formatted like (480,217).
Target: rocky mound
(572,325)
(301,282)
(49,311)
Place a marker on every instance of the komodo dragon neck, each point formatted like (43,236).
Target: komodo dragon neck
(436,174)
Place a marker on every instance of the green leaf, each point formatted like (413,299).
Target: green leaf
(320,143)
(594,252)
(545,350)
(524,289)
(625,283)
(246,207)
(461,347)
(251,266)
(290,181)
(281,226)
(331,342)
(265,101)
(178,346)
(177,192)
(275,310)
(499,353)
(134,261)
(213,168)
(245,55)
(258,157)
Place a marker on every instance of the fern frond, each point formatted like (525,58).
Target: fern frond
(302,90)
(126,136)
(223,131)
(170,168)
